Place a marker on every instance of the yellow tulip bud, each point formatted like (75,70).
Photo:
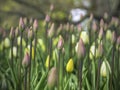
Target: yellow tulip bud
(7,42)
(84,36)
(109,35)
(41,44)
(23,41)
(70,65)
(47,61)
(92,52)
(105,69)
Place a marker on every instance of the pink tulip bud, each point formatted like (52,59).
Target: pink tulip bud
(52,78)
(21,23)
(35,25)
(26,60)
(100,33)
(80,49)
(60,42)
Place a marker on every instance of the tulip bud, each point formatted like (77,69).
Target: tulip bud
(14,52)
(26,60)
(73,38)
(28,50)
(12,33)
(105,69)
(23,41)
(99,52)
(7,42)
(30,34)
(113,37)
(92,52)
(31,21)
(16,32)
(70,65)
(101,23)
(51,31)
(41,44)
(21,24)
(85,37)
(52,78)
(60,42)
(35,25)
(80,49)
(47,18)
(51,7)
(118,43)
(118,40)
(109,35)
(47,61)
(94,26)
(100,36)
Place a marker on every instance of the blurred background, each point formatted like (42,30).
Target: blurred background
(12,10)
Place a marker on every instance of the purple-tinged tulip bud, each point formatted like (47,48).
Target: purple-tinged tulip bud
(26,60)
(101,23)
(51,7)
(100,50)
(94,26)
(31,21)
(30,33)
(80,49)
(115,21)
(25,21)
(52,78)
(35,25)
(105,15)
(118,43)
(100,33)
(51,31)
(21,23)
(60,42)
(12,33)
(16,32)
(47,18)
(60,28)
(91,17)
(118,40)
(113,37)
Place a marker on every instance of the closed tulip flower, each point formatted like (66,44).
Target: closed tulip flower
(85,37)
(70,65)
(47,61)
(7,42)
(52,78)
(26,60)
(105,69)
(23,42)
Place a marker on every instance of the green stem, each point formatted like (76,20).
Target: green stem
(112,68)
(29,84)
(25,82)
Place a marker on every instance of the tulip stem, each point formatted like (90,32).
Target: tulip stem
(50,51)
(20,61)
(98,74)
(25,82)
(80,63)
(30,65)
(112,67)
